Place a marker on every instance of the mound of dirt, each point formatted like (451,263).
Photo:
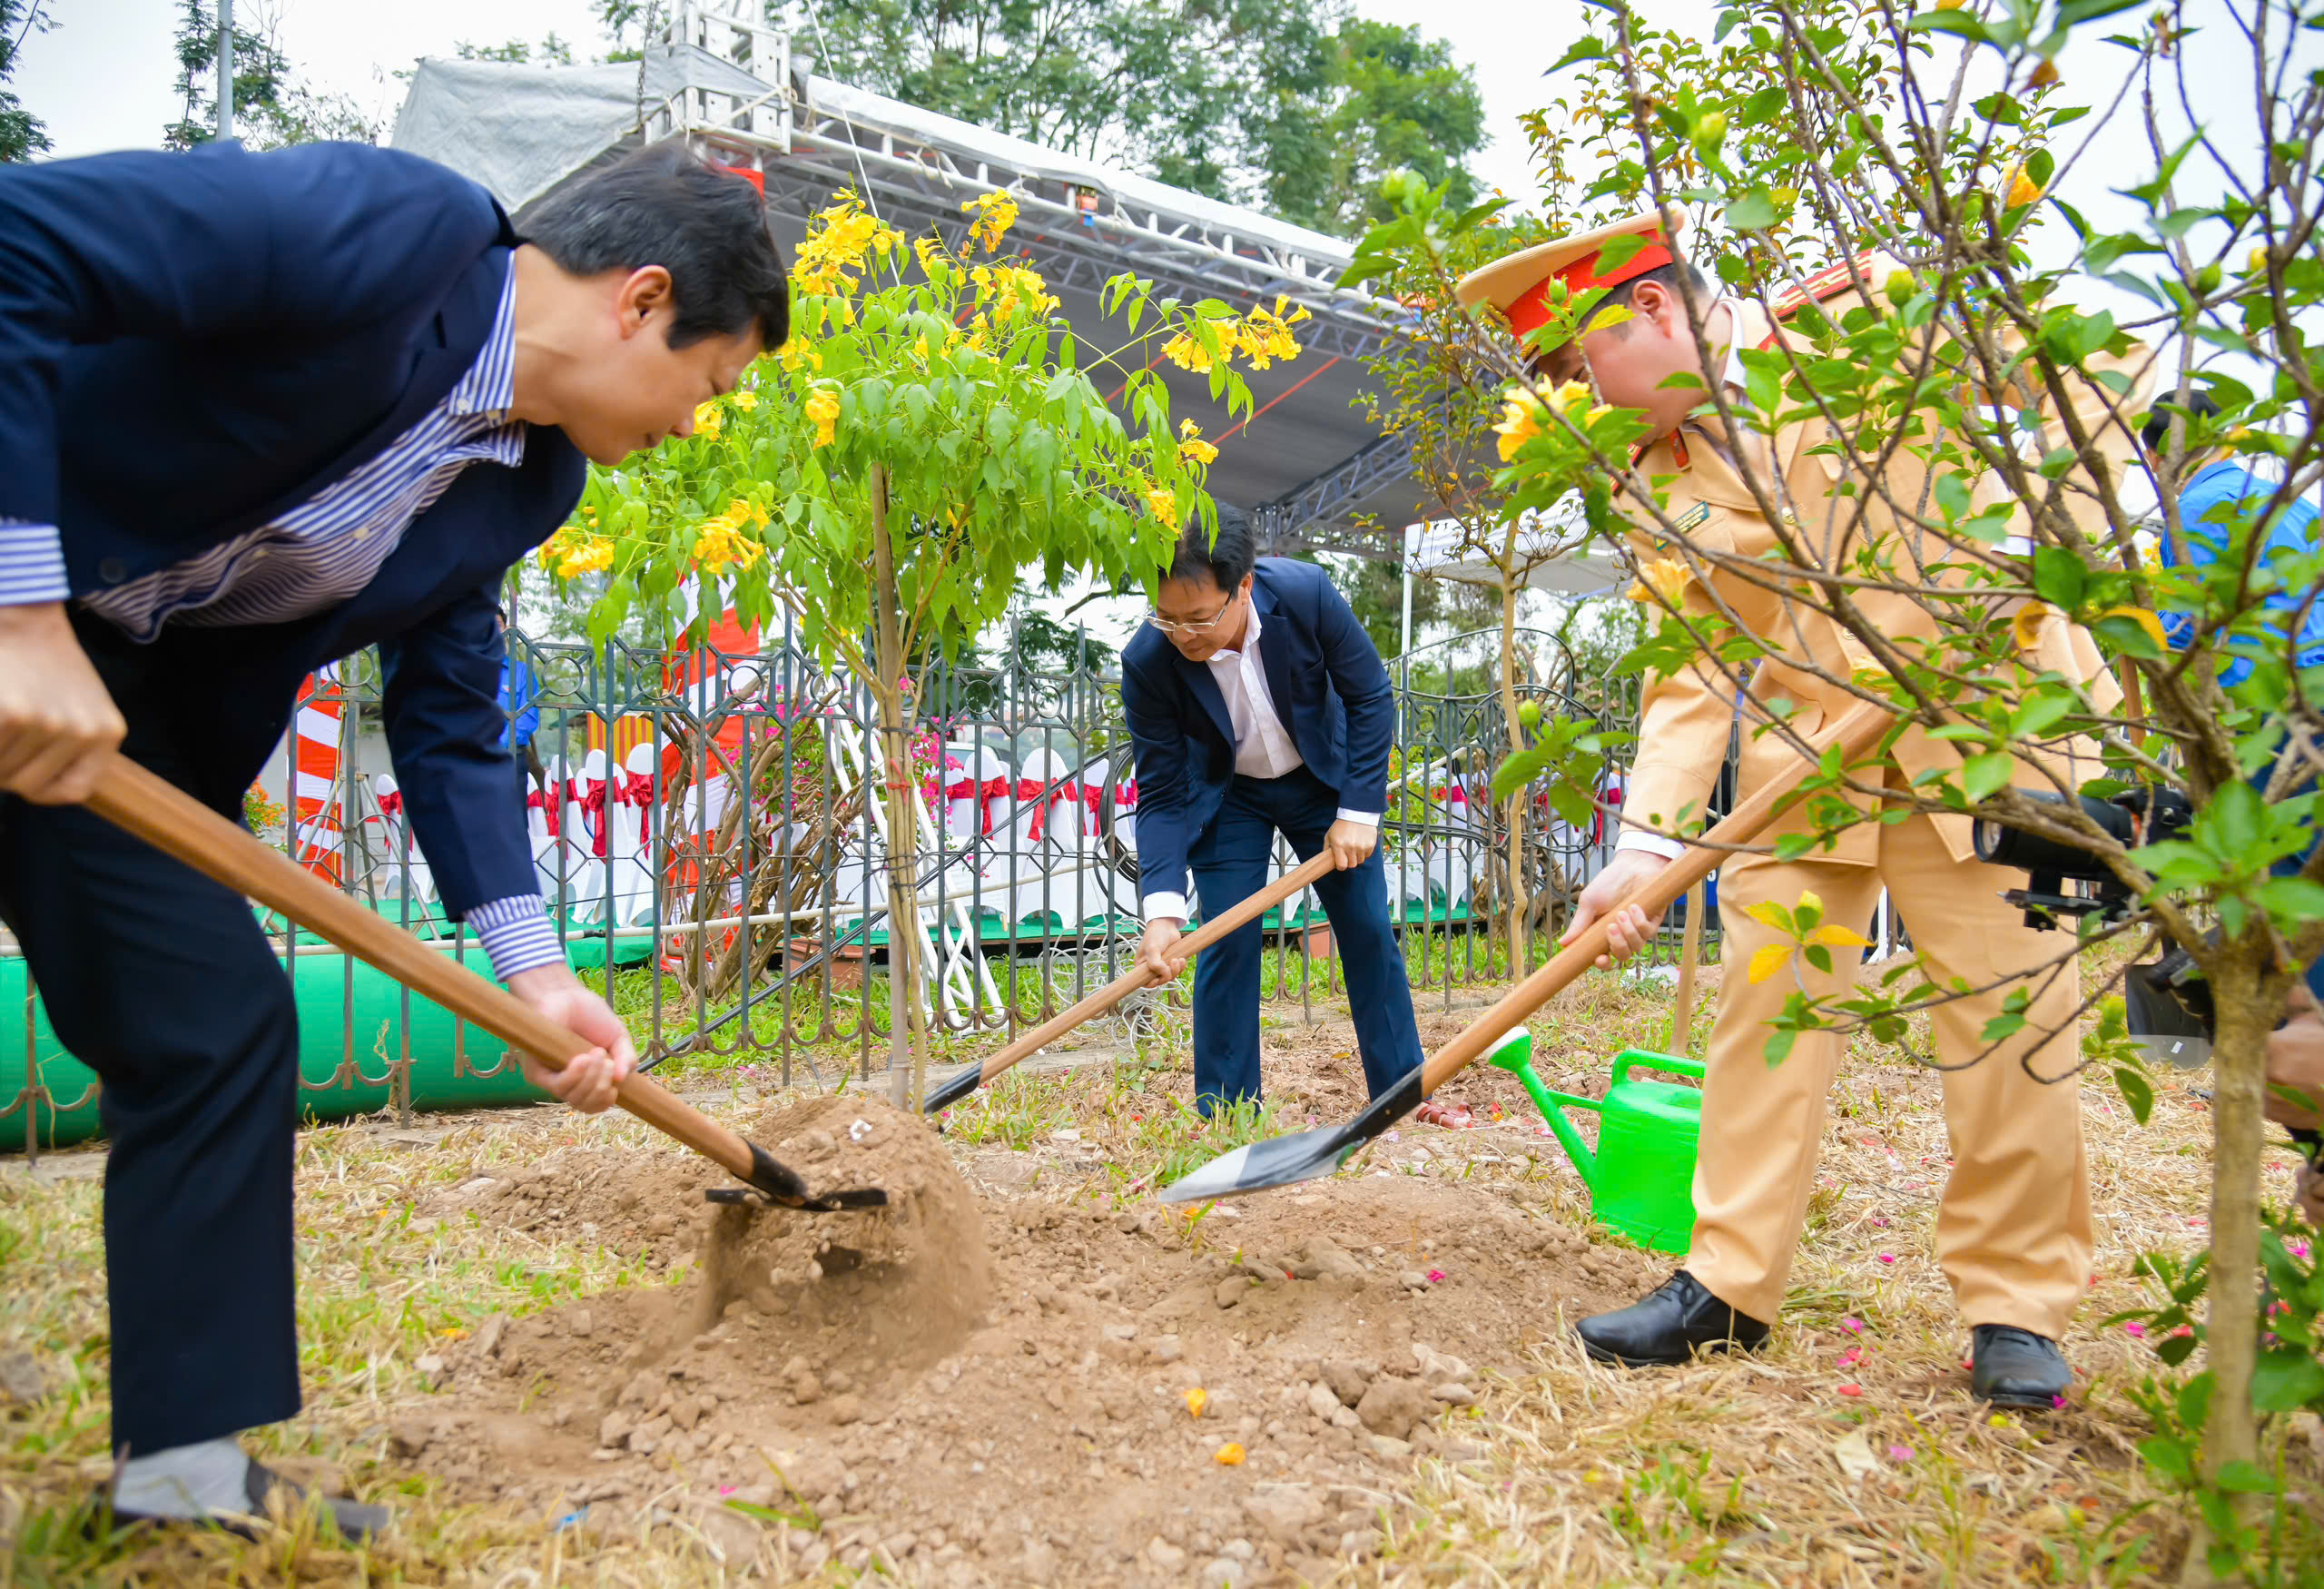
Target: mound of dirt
(1026,1412)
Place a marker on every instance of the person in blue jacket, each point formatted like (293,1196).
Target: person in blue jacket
(1258,706)
(257,412)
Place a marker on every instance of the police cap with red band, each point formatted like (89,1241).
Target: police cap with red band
(1518,285)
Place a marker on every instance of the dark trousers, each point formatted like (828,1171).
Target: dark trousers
(160,980)
(1229,861)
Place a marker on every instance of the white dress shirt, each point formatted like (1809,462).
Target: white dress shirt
(1263,747)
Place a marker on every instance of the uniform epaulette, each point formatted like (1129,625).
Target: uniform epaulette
(1828,283)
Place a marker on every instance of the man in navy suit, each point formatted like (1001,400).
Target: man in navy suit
(1259,705)
(259,411)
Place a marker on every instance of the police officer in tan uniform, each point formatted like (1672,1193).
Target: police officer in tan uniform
(2013,1231)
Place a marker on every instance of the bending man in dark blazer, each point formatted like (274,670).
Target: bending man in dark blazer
(259,411)
(1257,706)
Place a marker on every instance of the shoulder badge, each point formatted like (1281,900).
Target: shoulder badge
(1828,283)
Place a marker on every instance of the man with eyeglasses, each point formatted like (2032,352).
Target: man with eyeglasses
(1259,705)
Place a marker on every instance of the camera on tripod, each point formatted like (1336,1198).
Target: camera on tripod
(2167,1002)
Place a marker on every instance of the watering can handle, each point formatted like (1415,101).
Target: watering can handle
(1633,1060)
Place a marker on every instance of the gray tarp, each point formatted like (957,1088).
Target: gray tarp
(520,130)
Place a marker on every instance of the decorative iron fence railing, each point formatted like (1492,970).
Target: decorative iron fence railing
(708,829)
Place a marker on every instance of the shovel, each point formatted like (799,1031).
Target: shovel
(131,797)
(1310,1155)
(969,1078)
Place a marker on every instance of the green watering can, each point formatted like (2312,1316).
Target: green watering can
(1642,1178)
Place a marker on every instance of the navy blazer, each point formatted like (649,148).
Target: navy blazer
(191,344)
(1329,688)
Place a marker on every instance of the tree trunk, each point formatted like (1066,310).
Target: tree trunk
(907,1038)
(2232,1335)
(1519,955)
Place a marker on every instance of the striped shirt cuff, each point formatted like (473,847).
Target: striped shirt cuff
(517,934)
(1361,818)
(31,564)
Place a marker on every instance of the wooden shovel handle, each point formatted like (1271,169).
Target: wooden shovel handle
(1855,733)
(1690,954)
(175,822)
(1139,976)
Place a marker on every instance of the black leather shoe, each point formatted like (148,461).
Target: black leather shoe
(1669,1325)
(2015,1367)
(268,1491)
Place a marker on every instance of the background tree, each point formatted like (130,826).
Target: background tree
(1290,105)
(1963,392)
(931,428)
(274,105)
(551,51)
(1442,389)
(22,133)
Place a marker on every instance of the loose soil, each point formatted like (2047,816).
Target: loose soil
(995,1383)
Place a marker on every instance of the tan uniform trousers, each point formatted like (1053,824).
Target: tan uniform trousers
(2013,1231)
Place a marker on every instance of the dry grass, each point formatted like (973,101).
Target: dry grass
(1758,1470)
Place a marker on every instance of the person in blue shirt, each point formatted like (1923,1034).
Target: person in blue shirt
(520,705)
(2220,491)
(2221,495)
(521,697)
(259,411)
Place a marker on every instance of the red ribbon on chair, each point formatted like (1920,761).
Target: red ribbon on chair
(638,789)
(990,790)
(1028,790)
(1092,795)
(392,803)
(592,806)
(535,800)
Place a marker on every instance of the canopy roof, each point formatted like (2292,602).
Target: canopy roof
(1305,462)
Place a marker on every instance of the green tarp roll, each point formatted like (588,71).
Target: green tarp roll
(359,1014)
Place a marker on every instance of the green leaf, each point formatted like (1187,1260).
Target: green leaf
(2060,576)
(1966,24)
(2136,1091)
(1983,776)
(2295,899)
(1753,212)
(2169,1456)
(1588,48)
(2286,1380)
(2245,1478)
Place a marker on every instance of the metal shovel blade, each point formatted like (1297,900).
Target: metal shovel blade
(952,1089)
(1302,1156)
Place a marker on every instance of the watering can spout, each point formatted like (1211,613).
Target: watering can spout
(1514,1054)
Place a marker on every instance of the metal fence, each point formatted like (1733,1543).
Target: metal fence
(709,831)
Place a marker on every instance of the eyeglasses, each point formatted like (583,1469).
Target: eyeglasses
(1189,630)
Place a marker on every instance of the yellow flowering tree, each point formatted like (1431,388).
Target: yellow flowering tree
(933,428)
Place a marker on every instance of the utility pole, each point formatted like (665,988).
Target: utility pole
(225,70)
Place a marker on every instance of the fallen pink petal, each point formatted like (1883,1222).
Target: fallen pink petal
(1851,1390)
(2134,1329)
(1852,1324)
(1900,1453)
(1436,1277)
(1888,1257)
